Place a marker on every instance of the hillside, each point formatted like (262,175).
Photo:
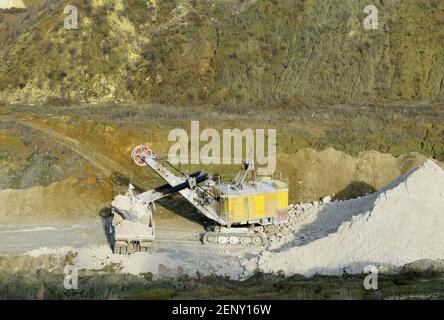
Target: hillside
(258,53)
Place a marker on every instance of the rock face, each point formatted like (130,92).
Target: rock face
(260,53)
(316,174)
(400,224)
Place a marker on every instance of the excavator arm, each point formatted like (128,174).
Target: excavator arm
(187,186)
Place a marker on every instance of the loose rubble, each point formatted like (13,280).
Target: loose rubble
(400,224)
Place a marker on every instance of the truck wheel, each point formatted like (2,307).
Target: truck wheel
(222,240)
(245,240)
(234,240)
(257,240)
(209,239)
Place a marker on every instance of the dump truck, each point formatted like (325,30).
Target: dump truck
(239,209)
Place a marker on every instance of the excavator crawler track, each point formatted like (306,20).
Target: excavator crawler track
(235,238)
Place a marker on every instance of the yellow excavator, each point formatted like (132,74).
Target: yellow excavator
(240,209)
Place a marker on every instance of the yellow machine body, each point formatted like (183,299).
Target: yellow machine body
(265,202)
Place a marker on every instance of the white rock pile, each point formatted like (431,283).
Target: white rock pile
(400,224)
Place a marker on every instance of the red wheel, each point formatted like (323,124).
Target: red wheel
(139,153)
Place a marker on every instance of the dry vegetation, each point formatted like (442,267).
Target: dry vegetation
(42,284)
(256,53)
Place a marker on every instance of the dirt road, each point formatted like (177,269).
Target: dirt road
(174,226)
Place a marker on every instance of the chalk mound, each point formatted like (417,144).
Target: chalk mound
(400,224)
